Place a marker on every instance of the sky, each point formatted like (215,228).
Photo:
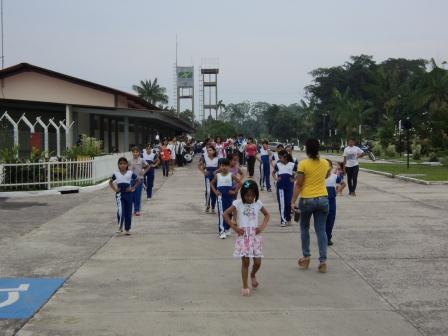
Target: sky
(265,49)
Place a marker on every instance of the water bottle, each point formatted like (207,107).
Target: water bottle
(296,215)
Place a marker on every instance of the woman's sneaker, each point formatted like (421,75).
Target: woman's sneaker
(222,235)
(282,224)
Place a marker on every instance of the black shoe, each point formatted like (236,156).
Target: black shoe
(269,190)
(330,243)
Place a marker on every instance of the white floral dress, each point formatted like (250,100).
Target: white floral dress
(249,244)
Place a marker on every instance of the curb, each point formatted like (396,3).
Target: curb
(52,192)
(404,178)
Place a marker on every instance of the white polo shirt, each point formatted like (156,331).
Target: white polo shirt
(351,154)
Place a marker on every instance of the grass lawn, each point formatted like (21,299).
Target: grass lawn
(429,173)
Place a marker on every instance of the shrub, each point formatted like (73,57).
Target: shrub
(390,151)
(9,155)
(417,153)
(433,157)
(88,147)
(377,149)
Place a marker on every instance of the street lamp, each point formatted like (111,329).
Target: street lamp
(324,133)
(407,125)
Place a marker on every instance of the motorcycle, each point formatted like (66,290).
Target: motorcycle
(365,147)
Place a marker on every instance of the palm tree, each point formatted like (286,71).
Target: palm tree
(220,107)
(152,92)
(433,90)
(349,111)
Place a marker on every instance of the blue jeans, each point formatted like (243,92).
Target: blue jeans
(331,218)
(318,208)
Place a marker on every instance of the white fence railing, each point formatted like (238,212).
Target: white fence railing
(52,174)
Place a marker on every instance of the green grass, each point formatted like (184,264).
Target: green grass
(430,173)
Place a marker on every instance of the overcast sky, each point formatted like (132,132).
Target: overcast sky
(265,48)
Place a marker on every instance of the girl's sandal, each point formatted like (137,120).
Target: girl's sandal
(245,291)
(254,282)
(304,262)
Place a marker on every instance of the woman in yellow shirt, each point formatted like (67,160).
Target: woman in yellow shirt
(310,186)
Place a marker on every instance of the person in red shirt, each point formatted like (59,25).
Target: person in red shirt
(251,155)
(165,154)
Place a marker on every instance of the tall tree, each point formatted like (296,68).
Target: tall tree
(152,92)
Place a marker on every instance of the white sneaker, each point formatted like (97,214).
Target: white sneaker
(228,233)
(222,235)
(148,199)
(282,224)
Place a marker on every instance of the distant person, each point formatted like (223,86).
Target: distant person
(265,166)
(340,171)
(172,148)
(331,183)
(275,157)
(240,143)
(180,151)
(207,166)
(251,156)
(227,186)
(165,155)
(219,145)
(151,158)
(310,185)
(124,182)
(351,155)
(283,174)
(235,166)
(139,167)
(290,150)
(249,242)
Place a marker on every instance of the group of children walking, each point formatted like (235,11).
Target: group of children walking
(223,180)
(128,182)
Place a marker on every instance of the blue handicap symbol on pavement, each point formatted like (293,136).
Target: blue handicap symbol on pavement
(20,298)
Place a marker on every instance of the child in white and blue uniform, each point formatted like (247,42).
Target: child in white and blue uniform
(331,182)
(124,182)
(226,189)
(275,156)
(284,174)
(151,158)
(265,166)
(208,165)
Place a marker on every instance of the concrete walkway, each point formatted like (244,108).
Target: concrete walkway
(173,276)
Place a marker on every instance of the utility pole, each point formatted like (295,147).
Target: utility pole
(1,14)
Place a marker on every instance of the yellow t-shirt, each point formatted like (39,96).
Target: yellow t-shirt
(314,172)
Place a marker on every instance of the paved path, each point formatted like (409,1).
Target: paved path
(173,276)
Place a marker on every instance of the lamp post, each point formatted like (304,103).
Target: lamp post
(399,135)
(324,132)
(407,126)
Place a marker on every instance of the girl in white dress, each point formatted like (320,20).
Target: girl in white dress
(249,241)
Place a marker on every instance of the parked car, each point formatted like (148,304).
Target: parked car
(273,145)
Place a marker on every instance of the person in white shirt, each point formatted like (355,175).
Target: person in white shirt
(172,148)
(351,155)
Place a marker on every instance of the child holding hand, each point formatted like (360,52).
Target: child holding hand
(248,243)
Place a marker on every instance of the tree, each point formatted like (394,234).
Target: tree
(431,98)
(152,92)
(187,116)
(221,106)
(212,127)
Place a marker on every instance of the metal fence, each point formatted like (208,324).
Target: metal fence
(52,174)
